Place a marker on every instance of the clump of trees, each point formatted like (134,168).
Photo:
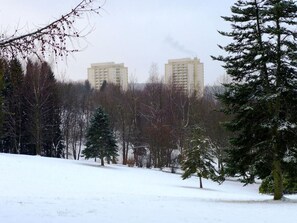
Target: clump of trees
(161,118)
(30,120)
(76,110)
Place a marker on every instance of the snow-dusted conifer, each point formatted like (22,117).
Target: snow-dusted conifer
(262,97)
(100,140)
(199,157)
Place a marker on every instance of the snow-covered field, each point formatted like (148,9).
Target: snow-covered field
(37,189)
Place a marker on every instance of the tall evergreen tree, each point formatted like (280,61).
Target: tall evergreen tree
(100,140)
(53,143)
(43,134)
(13,107)
(199,157)
(262,97)
(3,69)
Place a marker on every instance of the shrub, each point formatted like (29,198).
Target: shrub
(290,185)
(130,162)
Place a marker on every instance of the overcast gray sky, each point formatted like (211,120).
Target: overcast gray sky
(135,32)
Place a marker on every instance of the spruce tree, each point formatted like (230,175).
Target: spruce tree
(262,97)
(100,141)
(13,107)
(3,69)
(53,142)
(199,157)
(41,112)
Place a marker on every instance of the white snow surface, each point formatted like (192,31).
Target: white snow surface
(37,189)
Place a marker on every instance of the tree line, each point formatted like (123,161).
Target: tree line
(155,116)
(43,116)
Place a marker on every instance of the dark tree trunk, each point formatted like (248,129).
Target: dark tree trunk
(200,181)
(124,152)
(278,180)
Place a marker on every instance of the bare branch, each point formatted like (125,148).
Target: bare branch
(52,38)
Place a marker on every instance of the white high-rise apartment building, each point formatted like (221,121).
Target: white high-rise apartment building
(109,72)
(185,74)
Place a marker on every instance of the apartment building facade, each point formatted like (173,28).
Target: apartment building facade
(185,74)
(109,72)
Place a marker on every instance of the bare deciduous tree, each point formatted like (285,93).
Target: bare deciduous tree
(53,38)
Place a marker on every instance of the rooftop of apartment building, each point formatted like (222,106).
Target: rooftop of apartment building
(183,60)
(106,64)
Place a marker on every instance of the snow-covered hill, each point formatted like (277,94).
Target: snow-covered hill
(37,189)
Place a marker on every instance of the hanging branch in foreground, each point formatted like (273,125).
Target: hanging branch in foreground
(52,38)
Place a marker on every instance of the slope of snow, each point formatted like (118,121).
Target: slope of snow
(38,189)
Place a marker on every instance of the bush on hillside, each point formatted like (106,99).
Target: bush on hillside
(290,185)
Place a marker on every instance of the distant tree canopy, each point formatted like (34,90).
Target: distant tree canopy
(262,96)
